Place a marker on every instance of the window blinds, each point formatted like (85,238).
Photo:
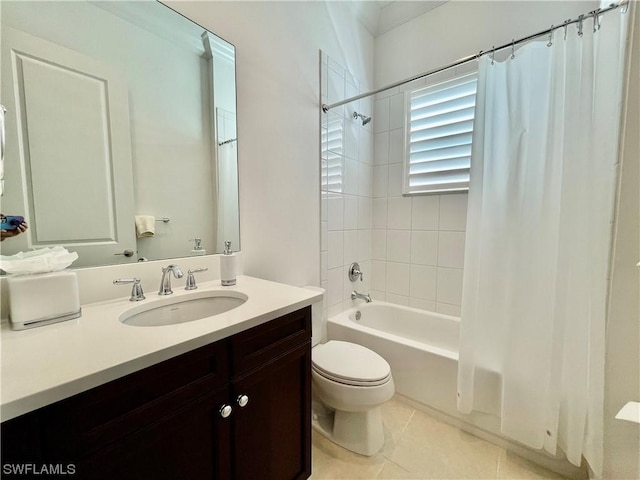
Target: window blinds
(439,129)
(332,153)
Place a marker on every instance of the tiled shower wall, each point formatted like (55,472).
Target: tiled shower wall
(417,241)
(346,187)
(410,248)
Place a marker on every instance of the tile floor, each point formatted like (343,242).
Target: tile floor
(418,446)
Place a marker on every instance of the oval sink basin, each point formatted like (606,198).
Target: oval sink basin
(183,309)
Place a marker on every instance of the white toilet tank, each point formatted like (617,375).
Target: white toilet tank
(317,325)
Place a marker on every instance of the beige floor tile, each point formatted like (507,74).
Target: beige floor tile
(440,450)
(514,467)
(332,462)
(392,471)
(395,418)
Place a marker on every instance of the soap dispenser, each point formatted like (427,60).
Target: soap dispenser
(197,248)
(227,266)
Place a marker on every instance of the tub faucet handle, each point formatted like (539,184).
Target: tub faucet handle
(355,272)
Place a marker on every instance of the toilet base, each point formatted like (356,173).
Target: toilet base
(360,432)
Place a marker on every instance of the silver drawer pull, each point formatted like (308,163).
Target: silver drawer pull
(225,411)
(242,400)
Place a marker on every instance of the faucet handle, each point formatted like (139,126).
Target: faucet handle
(355,272)
(136,290)
(191,279)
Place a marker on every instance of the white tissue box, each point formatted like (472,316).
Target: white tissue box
(41,299)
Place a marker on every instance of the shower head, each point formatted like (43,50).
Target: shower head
(362,117)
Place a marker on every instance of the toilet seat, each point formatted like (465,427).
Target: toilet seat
(350,364)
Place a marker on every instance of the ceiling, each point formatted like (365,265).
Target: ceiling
(380,16)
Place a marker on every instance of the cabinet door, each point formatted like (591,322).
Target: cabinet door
(272,432)
(191,442)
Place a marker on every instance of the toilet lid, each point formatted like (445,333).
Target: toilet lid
(349,363)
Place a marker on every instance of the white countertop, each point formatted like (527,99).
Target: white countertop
(45,364)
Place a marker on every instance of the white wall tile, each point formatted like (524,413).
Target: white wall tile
(350,253)
(335,90)
(424,247)
(449,285)
(398,278)
(398,299)
(334,286)
(365,153)
(453,212)
(350,176)
(323,208)
(351,139)
(365,179)
(425,212)
(399,213)
(335,249)
(423,282)
(381,115)
(396,146)
(378,275)
(422,304)
(350,212)
(381,148)
(378,295)
(335,212)
(364,212)
(364,245)
(380,181)
(379,214)
(451,249)
(396,111)
(398,246)
(379,244)
(395,179)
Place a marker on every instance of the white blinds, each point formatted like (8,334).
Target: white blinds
(439,130)
(332,152)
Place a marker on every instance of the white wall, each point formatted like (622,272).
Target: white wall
(277,59)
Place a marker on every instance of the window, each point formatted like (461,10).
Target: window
(332,154)
(438,136)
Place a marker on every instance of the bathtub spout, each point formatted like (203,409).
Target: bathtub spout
(365,296)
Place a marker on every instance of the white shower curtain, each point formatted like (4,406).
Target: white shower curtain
(538,239)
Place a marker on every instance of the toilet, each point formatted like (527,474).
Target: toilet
(349,383)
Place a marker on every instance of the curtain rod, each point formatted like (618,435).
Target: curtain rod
(595,14)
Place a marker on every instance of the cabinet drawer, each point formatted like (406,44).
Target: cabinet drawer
(254,347)
(103,414)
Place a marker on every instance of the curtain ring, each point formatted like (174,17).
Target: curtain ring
(550,44)
(566,24)
(493,53)
(580,21)
(596,20)
(513,49)
(625,6)
(479,55)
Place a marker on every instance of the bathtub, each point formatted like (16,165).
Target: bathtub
(420,346)
(422,350)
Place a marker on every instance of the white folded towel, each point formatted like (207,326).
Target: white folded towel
(145,226)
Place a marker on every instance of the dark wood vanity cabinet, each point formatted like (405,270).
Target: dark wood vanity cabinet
(169,421)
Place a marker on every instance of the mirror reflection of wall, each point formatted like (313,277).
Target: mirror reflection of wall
(112,114)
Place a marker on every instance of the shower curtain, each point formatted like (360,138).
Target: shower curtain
(538,239)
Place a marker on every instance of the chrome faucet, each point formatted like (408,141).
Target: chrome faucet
(365,296)
(165,283)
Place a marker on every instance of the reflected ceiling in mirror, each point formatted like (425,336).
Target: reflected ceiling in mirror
(121,139)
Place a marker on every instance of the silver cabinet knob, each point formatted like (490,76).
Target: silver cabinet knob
(225,411)
(242,400)
(127,253)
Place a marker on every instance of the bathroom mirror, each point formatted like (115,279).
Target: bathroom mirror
(117,112)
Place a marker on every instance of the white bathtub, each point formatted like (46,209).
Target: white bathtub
(420,346)
(422,349)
